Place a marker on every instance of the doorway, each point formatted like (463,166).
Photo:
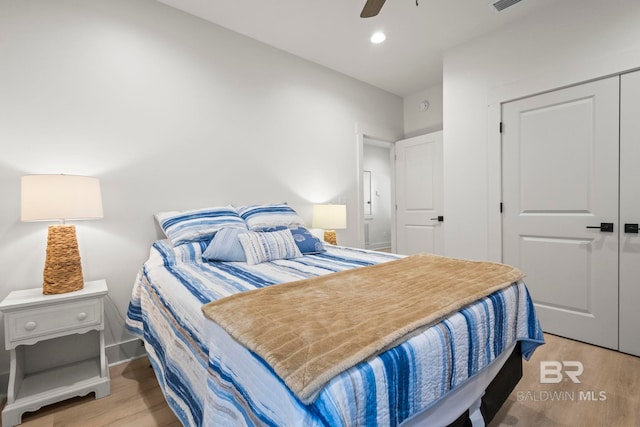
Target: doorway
(377,194)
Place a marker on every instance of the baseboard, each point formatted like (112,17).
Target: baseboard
(124,351)
(378,245)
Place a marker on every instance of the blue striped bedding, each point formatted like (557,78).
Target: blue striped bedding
(209,379)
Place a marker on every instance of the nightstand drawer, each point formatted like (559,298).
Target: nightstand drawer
(52,319)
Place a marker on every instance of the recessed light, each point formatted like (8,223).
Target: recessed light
(378,37)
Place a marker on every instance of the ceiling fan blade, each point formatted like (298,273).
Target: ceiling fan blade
(371,8)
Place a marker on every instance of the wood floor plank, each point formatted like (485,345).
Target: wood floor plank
(137,401)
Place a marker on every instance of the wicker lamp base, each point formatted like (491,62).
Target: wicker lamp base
(330,237)
(62,269)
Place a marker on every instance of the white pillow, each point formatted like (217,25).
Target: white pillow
(268,246)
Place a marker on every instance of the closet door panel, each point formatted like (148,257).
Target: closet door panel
(559,183)
(630,213)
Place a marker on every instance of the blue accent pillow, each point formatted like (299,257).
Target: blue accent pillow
(307,242)
(225,246)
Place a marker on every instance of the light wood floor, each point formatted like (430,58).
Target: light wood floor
(616,375)
(136,399)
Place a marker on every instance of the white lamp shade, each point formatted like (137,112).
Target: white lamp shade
(329,217)
(60,197)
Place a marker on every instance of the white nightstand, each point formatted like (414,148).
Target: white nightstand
(50,362)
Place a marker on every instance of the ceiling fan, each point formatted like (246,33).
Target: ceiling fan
(371,8)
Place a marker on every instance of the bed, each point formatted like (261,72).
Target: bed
(456,371)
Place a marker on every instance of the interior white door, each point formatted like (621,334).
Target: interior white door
(419,194)
(560,177)
(629,213)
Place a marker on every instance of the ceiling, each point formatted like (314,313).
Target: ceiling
(331,32)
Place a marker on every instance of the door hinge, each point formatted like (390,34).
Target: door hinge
(500,207)
(500,127)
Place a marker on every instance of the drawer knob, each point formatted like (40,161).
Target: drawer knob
(30,326)
(82,315)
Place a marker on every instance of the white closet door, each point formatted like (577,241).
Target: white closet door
(419,194)
(630,213)
(560,176)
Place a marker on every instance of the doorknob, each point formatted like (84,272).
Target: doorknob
(440,218)
(606,227)
(631,228)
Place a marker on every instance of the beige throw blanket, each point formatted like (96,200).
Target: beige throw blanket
(313,329)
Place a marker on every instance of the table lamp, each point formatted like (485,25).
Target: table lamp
(331,218)
(61,198)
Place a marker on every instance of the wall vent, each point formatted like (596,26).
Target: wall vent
(501,5)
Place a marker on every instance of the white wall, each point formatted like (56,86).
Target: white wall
(418,121)
(577,41)
(170,112)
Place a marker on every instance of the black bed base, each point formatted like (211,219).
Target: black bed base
(498,391)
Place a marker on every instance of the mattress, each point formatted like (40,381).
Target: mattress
(210,379)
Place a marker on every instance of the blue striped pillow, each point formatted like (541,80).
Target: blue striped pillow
(197,225)
(260,247)
(260,217)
